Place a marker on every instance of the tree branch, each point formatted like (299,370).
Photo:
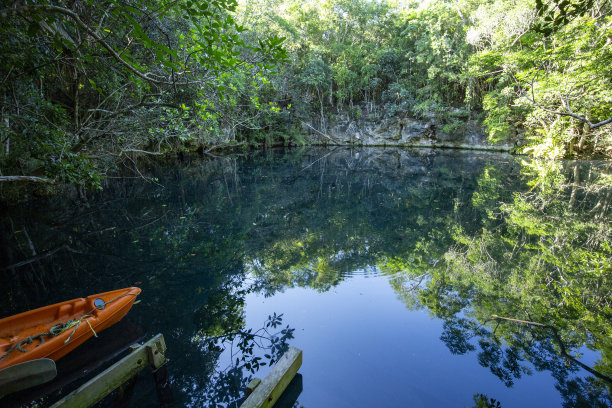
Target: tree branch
(565,104)
(39,257)
(322,134)
(222,146)
(140,151)
(27,178)
(75,17)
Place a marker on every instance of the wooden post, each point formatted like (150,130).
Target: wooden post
(252,385)
(124,394)
(291,394)
(271,387)
(163,386)
(151,353)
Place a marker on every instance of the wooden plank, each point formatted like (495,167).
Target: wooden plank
(252,385)
(156,352)
(271,387)
(110,379)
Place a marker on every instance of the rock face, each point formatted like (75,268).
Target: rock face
(401,132)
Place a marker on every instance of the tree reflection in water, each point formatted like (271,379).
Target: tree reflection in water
(460,236)
(248,350)
(542,259)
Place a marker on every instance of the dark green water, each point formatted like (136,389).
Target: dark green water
(387,266)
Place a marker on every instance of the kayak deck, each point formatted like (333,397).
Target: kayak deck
(55,330)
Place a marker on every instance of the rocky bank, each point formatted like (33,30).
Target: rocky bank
(341,130)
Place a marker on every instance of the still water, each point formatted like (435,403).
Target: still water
(395,271)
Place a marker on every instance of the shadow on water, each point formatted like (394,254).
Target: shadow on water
(462,237)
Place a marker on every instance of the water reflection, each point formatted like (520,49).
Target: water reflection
(543,259)
(461,237)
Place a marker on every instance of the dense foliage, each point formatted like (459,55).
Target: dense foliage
(96,80)
(87,85)
(535,75)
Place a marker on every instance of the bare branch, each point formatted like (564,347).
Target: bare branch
(39,257)
(489,73)
(27,178)
(222,146)
(322,134)
(565,104)
(141,151)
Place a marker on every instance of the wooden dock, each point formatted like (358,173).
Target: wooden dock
(151,353)
(282,382)
(264,393)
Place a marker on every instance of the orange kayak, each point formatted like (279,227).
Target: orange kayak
(54,331)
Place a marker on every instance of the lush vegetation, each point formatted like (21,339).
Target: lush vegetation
(89,82)
(524,71)
(86,86)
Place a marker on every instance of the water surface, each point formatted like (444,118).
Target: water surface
(386,267)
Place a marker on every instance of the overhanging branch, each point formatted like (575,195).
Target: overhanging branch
(565,104)
(27,178)
(75,17)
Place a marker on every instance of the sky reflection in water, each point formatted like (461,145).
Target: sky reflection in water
(387,266)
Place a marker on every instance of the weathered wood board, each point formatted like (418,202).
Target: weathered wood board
(271,387)
(149,354)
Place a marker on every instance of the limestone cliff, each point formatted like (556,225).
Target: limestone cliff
(341,130)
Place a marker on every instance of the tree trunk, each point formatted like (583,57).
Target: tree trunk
(76,106)
(583,138)
(7,148)
(322,109)
(575,185)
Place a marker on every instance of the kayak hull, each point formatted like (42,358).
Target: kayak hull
(17,328)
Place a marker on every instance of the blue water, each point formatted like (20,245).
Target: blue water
(220,244)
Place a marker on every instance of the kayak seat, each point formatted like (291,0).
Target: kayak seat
(63,312)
